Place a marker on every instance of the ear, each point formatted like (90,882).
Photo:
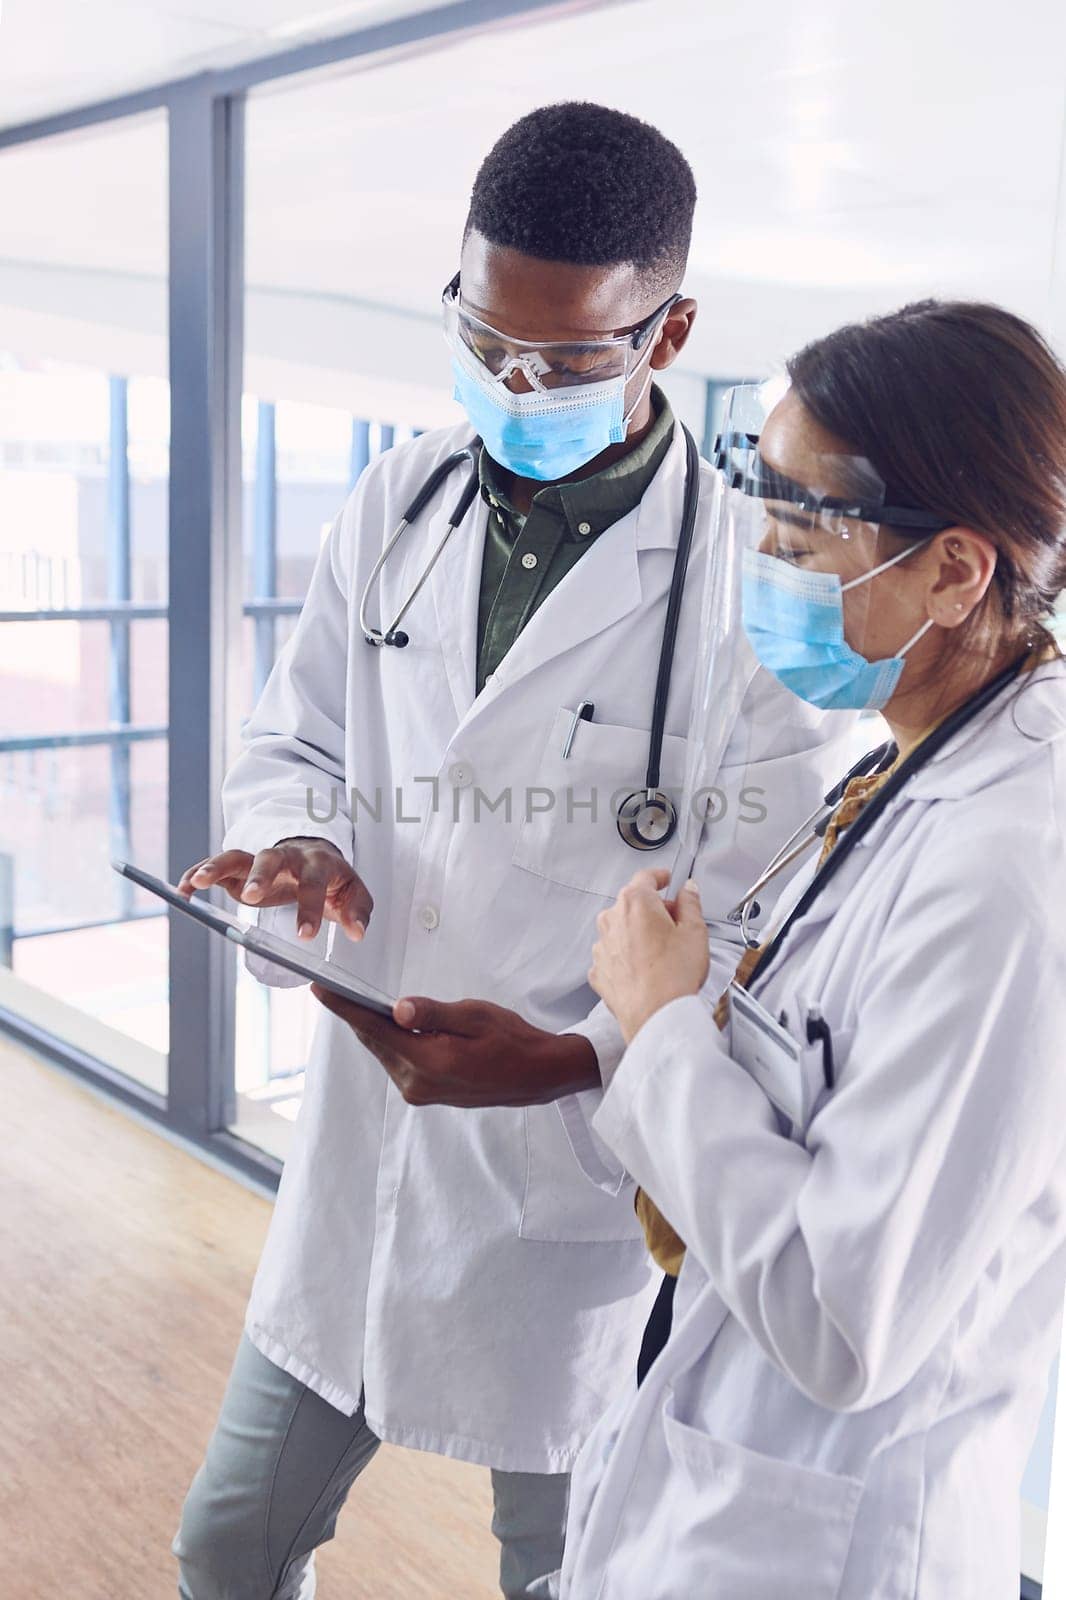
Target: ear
(673,335)
(964,562)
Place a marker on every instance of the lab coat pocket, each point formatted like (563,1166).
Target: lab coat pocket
(568,833)
(825,1048)
(560,1203)
(743,1523)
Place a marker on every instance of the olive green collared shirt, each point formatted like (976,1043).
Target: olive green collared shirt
(526,556)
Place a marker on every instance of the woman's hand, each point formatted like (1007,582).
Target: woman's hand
(650,950)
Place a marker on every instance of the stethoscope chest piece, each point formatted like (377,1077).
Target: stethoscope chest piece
(647,819)
(395,636)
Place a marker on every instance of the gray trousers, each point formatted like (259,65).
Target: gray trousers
(277,1471)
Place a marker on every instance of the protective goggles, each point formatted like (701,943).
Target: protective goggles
(848,488)
(551,364)
(737,458)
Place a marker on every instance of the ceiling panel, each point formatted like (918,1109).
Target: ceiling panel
(846,157)
(56,54)
(831,153)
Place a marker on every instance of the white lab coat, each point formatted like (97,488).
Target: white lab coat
(459,1264)
(867,1312)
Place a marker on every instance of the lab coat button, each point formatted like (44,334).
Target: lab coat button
(460,775)
(429,918)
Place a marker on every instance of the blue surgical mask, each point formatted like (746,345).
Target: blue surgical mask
(794,620)
(541,435)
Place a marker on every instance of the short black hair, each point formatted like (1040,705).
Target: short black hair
(580,183)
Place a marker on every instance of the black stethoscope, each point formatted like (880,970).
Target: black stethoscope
(876,761)
(647,818)
(393,634)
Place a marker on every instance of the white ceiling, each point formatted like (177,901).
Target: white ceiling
(848,157)
(55,54)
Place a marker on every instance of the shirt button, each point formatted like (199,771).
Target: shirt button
(429,917)
(459,775)
(584,527)
(493,500)
(529,560)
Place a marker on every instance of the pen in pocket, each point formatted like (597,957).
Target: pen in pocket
(584,713)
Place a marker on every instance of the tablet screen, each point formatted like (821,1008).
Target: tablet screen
(290,956)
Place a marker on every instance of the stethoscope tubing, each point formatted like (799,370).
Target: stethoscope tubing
(808,833)
(918,758)
(673,614)
(629,828)
(468,452)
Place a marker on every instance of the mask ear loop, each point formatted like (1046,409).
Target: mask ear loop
(922,631)
(631,413)
(901,555)
(627,419)
(647,352)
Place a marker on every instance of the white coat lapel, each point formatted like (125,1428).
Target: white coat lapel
(456,585)
(607,583)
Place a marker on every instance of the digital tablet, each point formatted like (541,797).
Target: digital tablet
(267,945)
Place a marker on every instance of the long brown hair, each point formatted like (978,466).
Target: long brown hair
(961,408)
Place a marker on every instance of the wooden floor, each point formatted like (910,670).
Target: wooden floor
(124,1267)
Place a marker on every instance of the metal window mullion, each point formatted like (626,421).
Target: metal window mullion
(265,542)
(206,327)
(81,738)
(359,452)
(119,588)
(415,29)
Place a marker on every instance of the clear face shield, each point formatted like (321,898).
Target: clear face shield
(801,558)
(820,535)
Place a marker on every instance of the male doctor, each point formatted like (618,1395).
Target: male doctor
(474,1282)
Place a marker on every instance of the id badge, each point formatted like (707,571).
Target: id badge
(769,1053)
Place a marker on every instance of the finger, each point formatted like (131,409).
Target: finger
(416,1013)
(371,1028)
(213,869)
(310,899)
(189,879)
(350,902)
(265,867)
(649,880)
(688,907)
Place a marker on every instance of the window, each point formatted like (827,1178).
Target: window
(84,428)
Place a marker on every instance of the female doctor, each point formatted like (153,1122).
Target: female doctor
(868,1205)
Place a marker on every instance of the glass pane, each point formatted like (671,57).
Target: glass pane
(316,410)
(84,443)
